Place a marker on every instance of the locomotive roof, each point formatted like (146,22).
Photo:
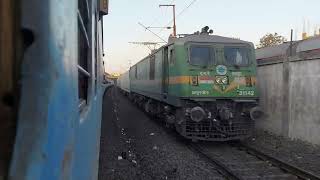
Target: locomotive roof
(198,38)
(206,38)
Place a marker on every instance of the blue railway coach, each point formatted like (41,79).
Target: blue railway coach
(51,90)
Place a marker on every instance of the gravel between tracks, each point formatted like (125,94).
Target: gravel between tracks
(147,150)
(298,153)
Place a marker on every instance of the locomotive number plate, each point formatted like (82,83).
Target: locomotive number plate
(246,93)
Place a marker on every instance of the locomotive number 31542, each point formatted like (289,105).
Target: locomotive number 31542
(246,93)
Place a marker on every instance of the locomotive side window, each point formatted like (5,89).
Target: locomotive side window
(152,67)
(136,72)
(84,55)
(172,57)
(236,56)
(201,56)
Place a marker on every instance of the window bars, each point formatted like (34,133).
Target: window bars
(84,57)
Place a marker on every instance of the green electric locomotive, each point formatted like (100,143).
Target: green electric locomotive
(203,85)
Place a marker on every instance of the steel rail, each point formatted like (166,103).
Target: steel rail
(224,170)
(300,173)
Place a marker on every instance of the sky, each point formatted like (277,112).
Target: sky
(245,19)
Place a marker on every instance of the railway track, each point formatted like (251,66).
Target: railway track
(239,162)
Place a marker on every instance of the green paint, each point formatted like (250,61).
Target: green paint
(180,66)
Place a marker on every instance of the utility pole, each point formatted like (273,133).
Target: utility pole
(174,17)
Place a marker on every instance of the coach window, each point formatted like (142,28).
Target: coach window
(97,57)
(152,67)
(84,55)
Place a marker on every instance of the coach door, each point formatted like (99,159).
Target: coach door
(165,73)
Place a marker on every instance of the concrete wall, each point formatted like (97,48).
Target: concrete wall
(303,107)
(304,114)
(270,88)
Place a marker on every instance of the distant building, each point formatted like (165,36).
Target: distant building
(307,48)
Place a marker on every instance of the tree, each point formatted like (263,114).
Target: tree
(271,40)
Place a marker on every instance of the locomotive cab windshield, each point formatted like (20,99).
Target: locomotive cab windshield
(204,56)
(201,55)
(238,56)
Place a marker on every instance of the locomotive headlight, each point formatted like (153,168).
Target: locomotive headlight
(221,79)
(218,79)
(224,80)
(194,81)
(197,114)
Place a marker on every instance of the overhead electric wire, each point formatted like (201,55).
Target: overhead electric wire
(186,8)
(168,7)
(155,20)
(152,32)
(180,13)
